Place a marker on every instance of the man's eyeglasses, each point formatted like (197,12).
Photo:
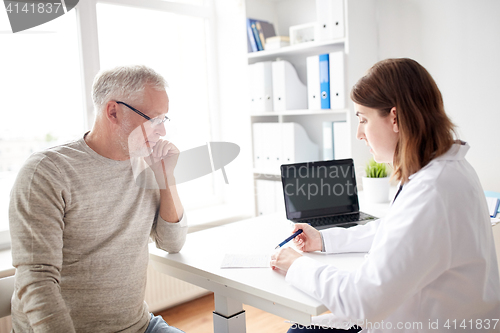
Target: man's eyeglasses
(154,121)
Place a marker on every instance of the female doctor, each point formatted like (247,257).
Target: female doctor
(431,264)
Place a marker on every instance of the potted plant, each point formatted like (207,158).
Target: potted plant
(376,182)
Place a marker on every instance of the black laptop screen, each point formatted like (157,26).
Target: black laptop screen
(319,188)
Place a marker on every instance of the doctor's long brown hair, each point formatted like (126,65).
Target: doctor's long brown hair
(425,131)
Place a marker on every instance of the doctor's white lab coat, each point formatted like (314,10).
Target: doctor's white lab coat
(431,265)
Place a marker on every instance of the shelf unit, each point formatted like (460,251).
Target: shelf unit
(299,112)
(303,49)
(359,45)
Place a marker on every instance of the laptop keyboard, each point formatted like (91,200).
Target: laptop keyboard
(343,220)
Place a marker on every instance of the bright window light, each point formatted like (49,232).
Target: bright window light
(41,95)
(175,46)
(190,2)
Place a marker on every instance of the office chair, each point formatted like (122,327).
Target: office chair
(6,291)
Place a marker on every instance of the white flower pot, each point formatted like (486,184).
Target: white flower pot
(376,190)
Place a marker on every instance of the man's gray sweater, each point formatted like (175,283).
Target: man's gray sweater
(80,228)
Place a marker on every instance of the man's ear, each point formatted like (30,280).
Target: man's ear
(394,120)
(111,112)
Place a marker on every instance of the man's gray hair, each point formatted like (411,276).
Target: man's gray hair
(124,82)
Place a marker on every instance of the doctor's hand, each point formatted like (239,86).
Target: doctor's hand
(309,240)
(284,258)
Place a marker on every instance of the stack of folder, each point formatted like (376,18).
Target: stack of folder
(335,140)
(261,86)
(275,144)
(326,81)
(288,91)
(269,196)
(330,19)
(275,86)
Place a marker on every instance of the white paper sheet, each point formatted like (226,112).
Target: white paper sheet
(245,261)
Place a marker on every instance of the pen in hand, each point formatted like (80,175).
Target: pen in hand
(289,238)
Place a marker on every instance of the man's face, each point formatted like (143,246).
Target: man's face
(140,133)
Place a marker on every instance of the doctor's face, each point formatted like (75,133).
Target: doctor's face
(381,134)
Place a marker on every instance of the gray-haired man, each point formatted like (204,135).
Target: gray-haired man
(80,223)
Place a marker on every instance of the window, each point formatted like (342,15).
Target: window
(42,74)
(175,46)
(42,99)
(190,2)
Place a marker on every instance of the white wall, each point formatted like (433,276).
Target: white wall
(458,41)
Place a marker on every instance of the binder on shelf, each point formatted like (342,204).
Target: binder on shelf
(261,86)
(289,93)
(327,140)
(265,147)
(313,88)
(335,140)
(275,144)
(340,140)
(324,80)
(337,80)
(269,197)
(258,146)
(330,19)
(279,198)
(297,147)
(266,197)
(250,38)
(275,147)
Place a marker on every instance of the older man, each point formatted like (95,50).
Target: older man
(80,219)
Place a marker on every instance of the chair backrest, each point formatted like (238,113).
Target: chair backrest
(6,291)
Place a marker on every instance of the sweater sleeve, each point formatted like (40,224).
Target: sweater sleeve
(169,236)
(36,215)
(354,239)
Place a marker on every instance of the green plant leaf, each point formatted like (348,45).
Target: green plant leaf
(375,170)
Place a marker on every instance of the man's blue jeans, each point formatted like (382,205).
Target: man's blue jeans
(158,325)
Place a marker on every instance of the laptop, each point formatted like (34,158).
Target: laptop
(322,193)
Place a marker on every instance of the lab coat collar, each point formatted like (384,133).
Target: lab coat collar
(457,152)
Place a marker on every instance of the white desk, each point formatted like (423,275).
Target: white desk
(200,259)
